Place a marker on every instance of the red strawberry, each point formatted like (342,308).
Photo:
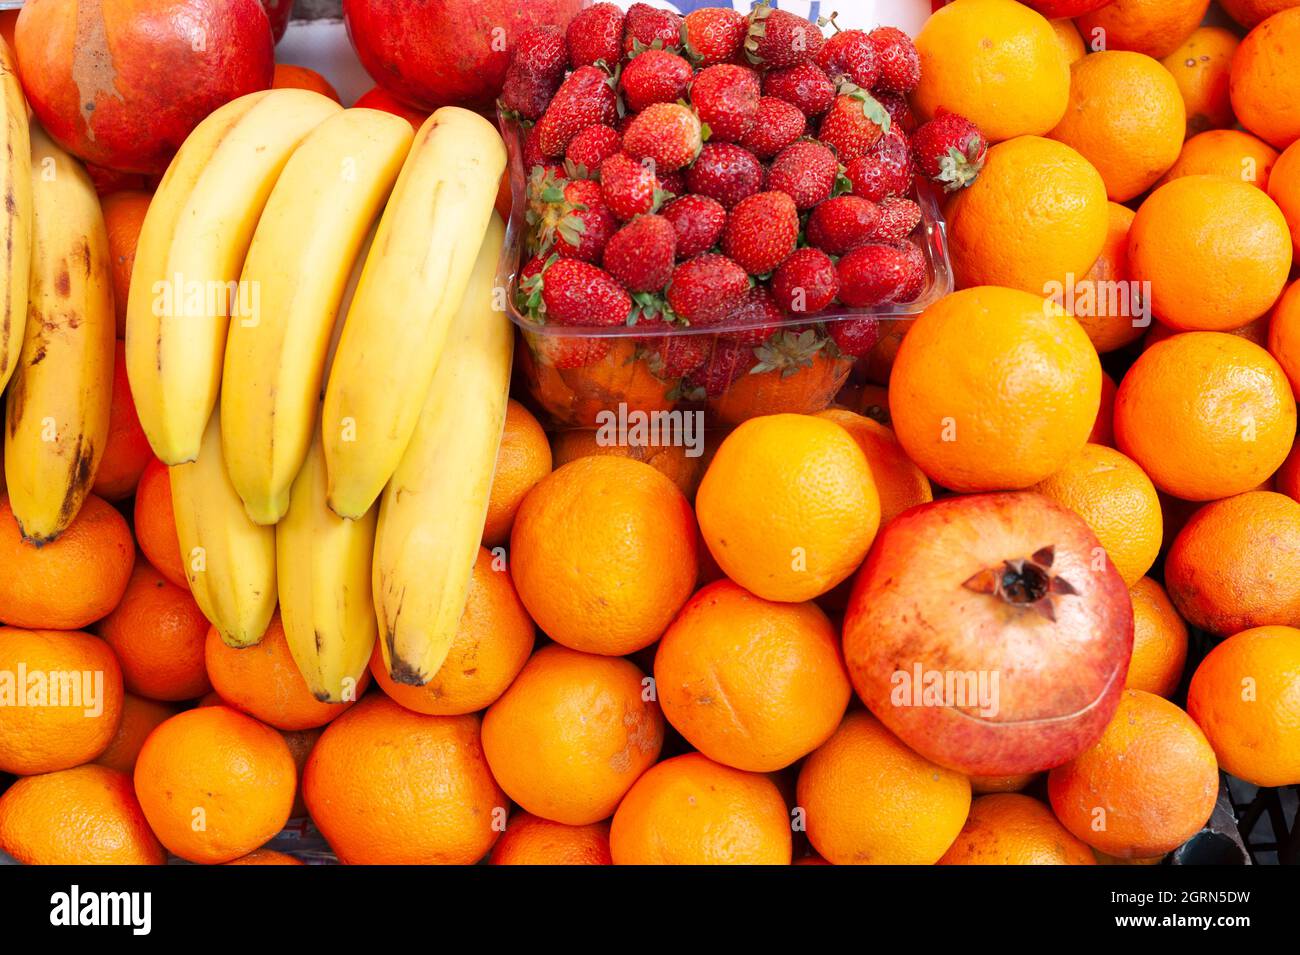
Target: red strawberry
(726,98)
(854,337)
(884,169)
(776,125)
(672,183)
(629,187)
(646,26)
(727,362)
(535,72)
(528,293)
(591,147)
(641,254)
(596,36)
(570,216)
(806,86)
(874,274)
(850,55)
(571,351)
(899,110)
(532,152)
(806,282)
(949,149)
(777,38)
(584,99)
(676,355)
(843,223)
(655,76)
(805,170)
(759,316)
(698,222)
(714,35)
(705,289)
(762,230)
(666,133)
(578,293)
(855,121)
(899,217)
(915,273)
(725,172)
(900,64)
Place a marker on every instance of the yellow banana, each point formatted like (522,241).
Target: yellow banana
(411,286)
(59,397)
(313,225)
(184,286)
(432,512)
(16,220)
(229,560)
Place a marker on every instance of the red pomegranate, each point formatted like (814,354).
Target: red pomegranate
(122,83)
(990,632)
(445,52)
(278,11)
(1054,9)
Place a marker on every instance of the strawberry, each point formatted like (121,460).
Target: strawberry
(850,55)
(854,337)
(914,279)
(855,121)
(900,64)
(578,293)
(655,76)
(566,352)
(532,152)
(777,38)
(788,351)
(591,147)
(596,36)
(806,86)
(629,187)
(776,125)
(806,171)
(873,274)
(698,222)
(666,133)
(528,290)
(727,362)
(535,72)
(570,217)
(672,184)
(949,150)
(806,282)
(757,316)
(726,98)
(647,27)
(714,35)
(899,110)
(726,173)
(884,169)
(641,254)
(899,217)
(843,223)
(675,355)
(762,230)
(585,99)
(705,289)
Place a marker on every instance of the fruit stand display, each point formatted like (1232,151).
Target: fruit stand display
(650,433)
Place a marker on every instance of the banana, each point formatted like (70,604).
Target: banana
(184,286)
(229,560)
(16,221)
(60,395)
(411,286)
(300,258)
(432,512)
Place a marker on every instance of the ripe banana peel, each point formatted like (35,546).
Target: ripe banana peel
(16,218)
(432,512)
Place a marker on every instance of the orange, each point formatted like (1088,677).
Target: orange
(1262,85)
(155,526)
(68,583)
(62,695)
(386,786)
(127,451)
(1256,332)
(492,643)
(572,734)
(1035,216)
(1236,564)
(1126,117)
(1001,784)
(874,403)
(752,684)
(1284,334)
(1011,829)
(1200,67)
(123,218)
(1103,300)
(1287,479)
(1117,500)
(83,816)
(1067,35)
(523,459)
(603,554)
(899,482)
(266,857)
(1245,695)
(672,461)
(264,682)
(215,784)
(788,506)
(381,99)
(291,76)
(1103,427)
(1159,641)
(1205,415)
(1229,153)
(1145,787)
(139,718)
(690,810)
(301,743)
(532,840)
(1250,13)
(869,799)
(1153,27)
(157,632)
(994,389)
(1284,189)
(996,62)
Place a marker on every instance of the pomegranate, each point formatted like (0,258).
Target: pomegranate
(122,83)
(278,12)
(990,632)
(445,52)
(1054,9)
